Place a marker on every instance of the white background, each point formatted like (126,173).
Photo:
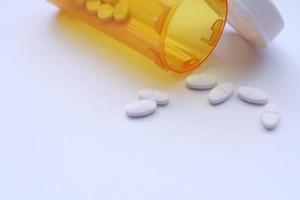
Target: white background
(64,135)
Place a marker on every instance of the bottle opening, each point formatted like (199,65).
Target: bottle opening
(192,32)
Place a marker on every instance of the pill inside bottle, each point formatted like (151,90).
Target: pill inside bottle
(178,35)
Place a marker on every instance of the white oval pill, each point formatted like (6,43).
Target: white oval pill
(141,108)
(221,93)
(159,97)
(201,82)
(271,117)
(253,95)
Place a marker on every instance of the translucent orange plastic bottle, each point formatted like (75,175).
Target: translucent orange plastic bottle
(177,34)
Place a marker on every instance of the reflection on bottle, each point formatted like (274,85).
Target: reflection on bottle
(216,31)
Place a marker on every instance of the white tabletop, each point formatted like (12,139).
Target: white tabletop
(64,134)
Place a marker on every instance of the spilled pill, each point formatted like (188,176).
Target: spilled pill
(221,93)
(159,97)
(201,82)
(141,108)
(271,117)
(253,95)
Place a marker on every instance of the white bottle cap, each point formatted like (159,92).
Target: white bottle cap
(259,21)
